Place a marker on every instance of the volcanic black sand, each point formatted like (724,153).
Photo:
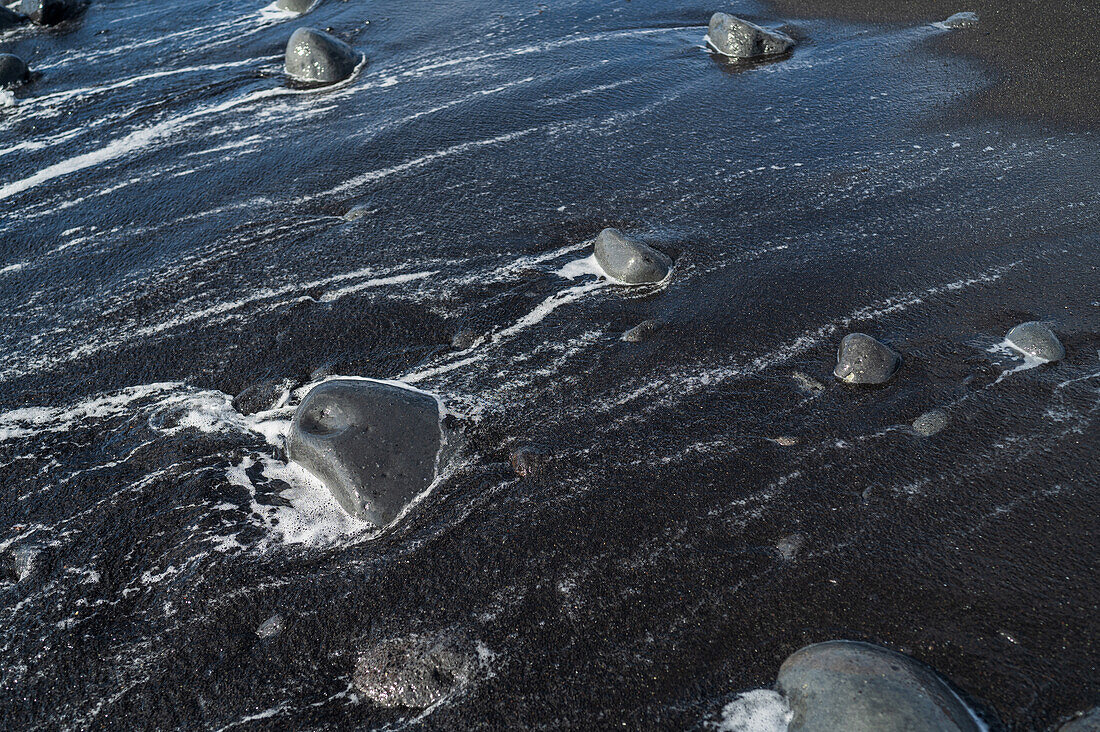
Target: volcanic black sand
(694,506)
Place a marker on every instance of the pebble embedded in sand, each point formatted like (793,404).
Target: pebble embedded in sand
(13,71)
(1036,340)
(315,57)
(415,671)
(961,20)
(642,331)
(931,422)
(863,360)
(373,445)
(271,627)
(296,6)
(262,396)
(859,687)
(357,212)
(529,460)
(629,261)
(51,12)
(740,39)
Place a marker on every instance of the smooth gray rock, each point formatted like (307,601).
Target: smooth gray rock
(643,330)
(13,71)
(51,12)
(415,671)
(10,18)
(629,261)
(296,6)
(931,422)
(315,57)
(740,39)
(863,360)
(845,686)
(1087,722)
(961,20)
(373,445)
(1036,340)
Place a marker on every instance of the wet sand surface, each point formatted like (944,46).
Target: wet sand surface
(711,500)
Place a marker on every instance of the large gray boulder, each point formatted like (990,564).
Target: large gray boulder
(13,71)
(52,12)
(10,18)
(315,57)
(863,360)
(1036,340)
(373,445)
(629,261)
(740,39)
(415,671)
(296,6)
(845,686)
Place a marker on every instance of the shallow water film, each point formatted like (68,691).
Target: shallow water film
(625,532)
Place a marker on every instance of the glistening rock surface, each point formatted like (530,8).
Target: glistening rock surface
(13,71)
(296,6)
(731,36)
(629,261)
(863,360)
(1036,340)
(415,671)
(845,686)
(373,445)
(51,12)
(315,57)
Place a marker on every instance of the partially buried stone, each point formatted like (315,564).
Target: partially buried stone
(961,20)
(296,6)
(629,261)
(528,460)
(930,422)
(271,627)
(261,397)
(51,12)
(315,57)
(415,671)
(357,212)
(863,360)
(642,331)
(1036,340)
(13,71)
(373,445)
(740,39)
(858,687)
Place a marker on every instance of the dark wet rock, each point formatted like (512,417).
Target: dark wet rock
(1036,340)
(858,687)
(931,422)
(961,20)
(10,18)
(357,212)
(13,71)
(415,671)
(629,261)
(1087,722)
(271,627)
(261,397)
(373,445)
(314,56)
(863,360)
(296,6)
(642,331)
(789,546)
(16,563)
(529,460)
(740,39)
(51,12)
